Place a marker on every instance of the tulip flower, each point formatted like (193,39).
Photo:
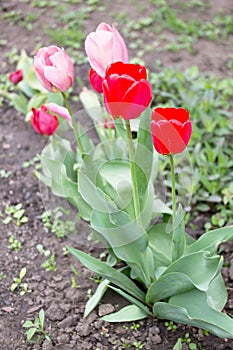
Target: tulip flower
(54,68)
(171,130)
(43,122)
(96,81)
(59,110)
(105,46)
(127,93)
(16,77)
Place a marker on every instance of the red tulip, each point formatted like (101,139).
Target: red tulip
(96,81)
(16,77)
(54,68)
(127,93)
(43,122)
(171,130)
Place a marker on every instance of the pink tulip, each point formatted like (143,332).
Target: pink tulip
(43,122)
(105,46)
(16,77)
(59,110)
(54,68)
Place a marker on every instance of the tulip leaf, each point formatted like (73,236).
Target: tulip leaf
(211,240)
(144,152)
(120,128)
(92,105)
(127,314)
(192,308)
(108,272)
(19,102)
(178,235)
(200,267)
(96,297)
(160,242)
(177,282)
(36,101)
(55,98)
(217,293)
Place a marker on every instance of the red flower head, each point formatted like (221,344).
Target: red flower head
(43,122)
(16,77)
(96,81)
(127,93)
(171,130)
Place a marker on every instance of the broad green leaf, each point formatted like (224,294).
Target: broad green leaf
(178,345)
(144,152)
(217,293)
(132,300)
(22,273)
(199,267)
(160,242)
(108,272)
(19,102)
(178,235)
(96,297)
(33,81)
(56,98)
(211,240)
(120,128)
(168,285)
(92,105)
(159,207)
(86,141)
(192,308)
(36,101)
(127,314)
(28,324)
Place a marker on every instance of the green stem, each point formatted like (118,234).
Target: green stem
(173,191)
(133,173)
(73,122)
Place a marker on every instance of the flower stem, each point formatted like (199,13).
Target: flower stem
(79,143)
(173,191)
(133,173)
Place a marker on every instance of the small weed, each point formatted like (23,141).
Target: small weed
(36,327)
(2,275)
(14,244)
(50,264)
(15,213)
(185,340)
(54,220)
(170,326)
(135,326)
(138,345)
(4,174)
(42,251)
(19,284)
(35,162)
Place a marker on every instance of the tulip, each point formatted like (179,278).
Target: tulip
(59,110)
(96,81)
(54,68)
(171,130)
(43,122)
(127,93)
(105,46)
(16,77)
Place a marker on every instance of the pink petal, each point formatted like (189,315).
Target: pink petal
(61,111)
(58,78)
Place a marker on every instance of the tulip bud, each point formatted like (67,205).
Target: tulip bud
(43,122)
(54,68)
(16,77)
(105,46)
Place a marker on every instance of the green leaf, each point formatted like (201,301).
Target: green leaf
(96,297)
(177,282)
(108,272)
(144,153)
(19,102)
(178,236)
(211,240)
(192,308)
(217,293)
(30,333)
(41,318)
(36,101)
(178,345)
(120,128)
(92,105)
(160,242)
(22,273)
(28,324)
(132,300)
(127,314)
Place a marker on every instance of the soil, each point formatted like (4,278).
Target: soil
(53,291)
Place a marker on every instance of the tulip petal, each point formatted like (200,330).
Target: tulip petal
(62,61)
(168,113)
(58,78)
(61,111)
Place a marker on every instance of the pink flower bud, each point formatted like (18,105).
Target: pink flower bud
(54,68)
(105,46)
(16,77)
(43,122)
